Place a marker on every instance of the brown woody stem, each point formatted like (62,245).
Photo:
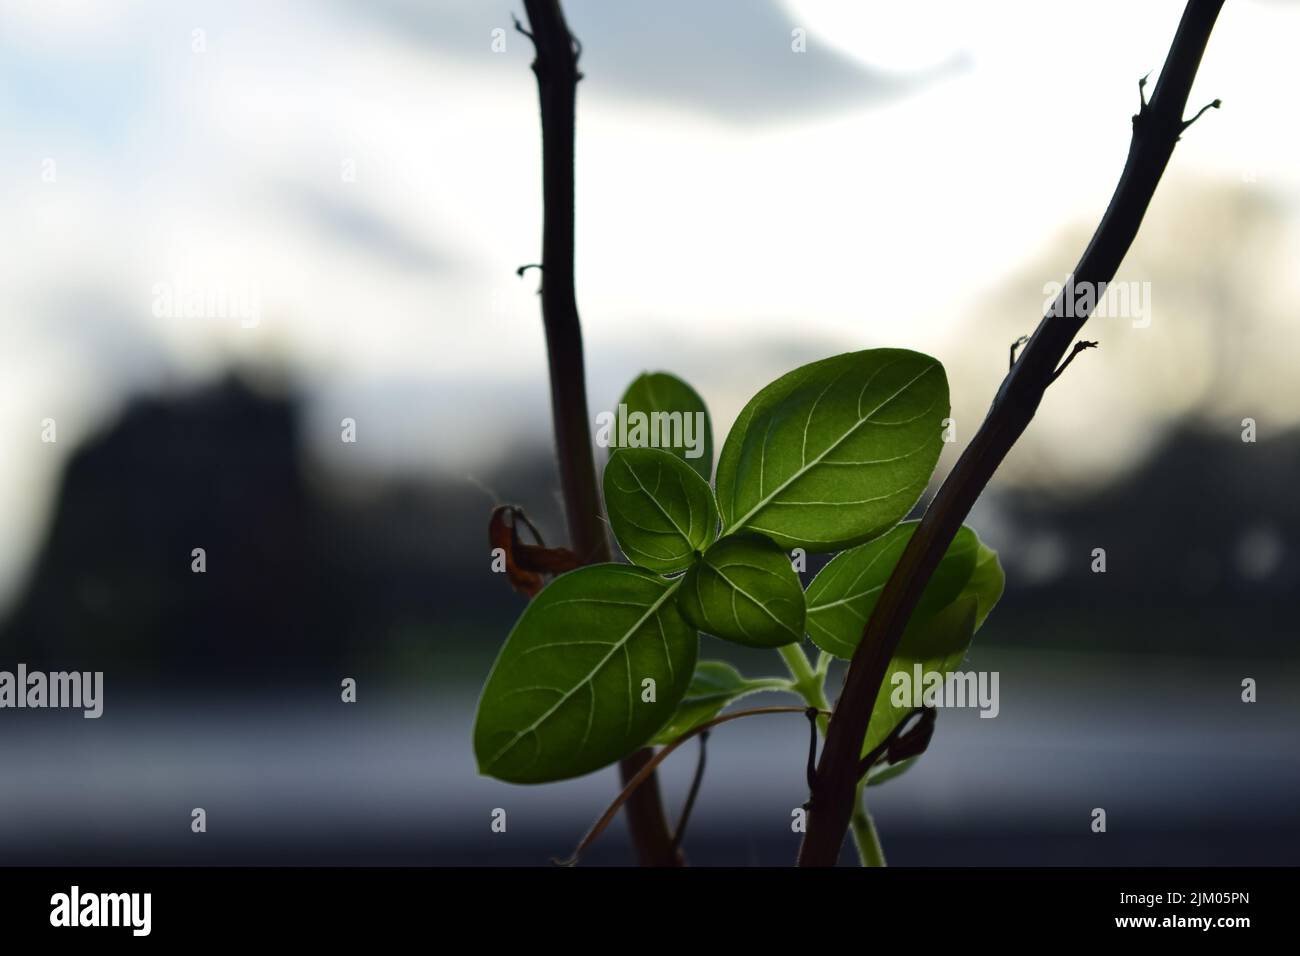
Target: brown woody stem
(556,68)
(1156,129)
(647,771)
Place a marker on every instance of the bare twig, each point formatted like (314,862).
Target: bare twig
(904,741)
(1078,347)
(556,68)
(1155,131)
(1015,347)
(647,770)
(1212,105)
(680,833)
(812,713)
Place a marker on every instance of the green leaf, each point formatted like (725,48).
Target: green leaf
(715,685)
(844,593)
(956,602)
(986,583)
(834,453)
(661,511)
(938,643)
(744,589)
(565,696)
(676,420)
(882,772)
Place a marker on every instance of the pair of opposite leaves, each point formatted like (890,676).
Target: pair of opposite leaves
(829,455)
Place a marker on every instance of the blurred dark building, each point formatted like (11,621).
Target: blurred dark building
(307,574)
(1202,549)
(300,578)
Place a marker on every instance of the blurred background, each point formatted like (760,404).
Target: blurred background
(230,226)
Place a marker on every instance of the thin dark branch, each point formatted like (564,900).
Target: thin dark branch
(907,739)
(1155,131)
(648,770)
(555,66)
(680,833)
(812,713)
(524,268)
(1015,347)
(1078,347)
(1212,105)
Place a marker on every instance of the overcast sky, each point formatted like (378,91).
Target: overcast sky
(369,169)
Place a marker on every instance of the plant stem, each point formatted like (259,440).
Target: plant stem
(772,683)
(808,683)
(865,836)
(556,68)
(1156,129)
(647,771)
(823,664)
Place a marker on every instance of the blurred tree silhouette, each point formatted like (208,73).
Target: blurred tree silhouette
(307,576)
